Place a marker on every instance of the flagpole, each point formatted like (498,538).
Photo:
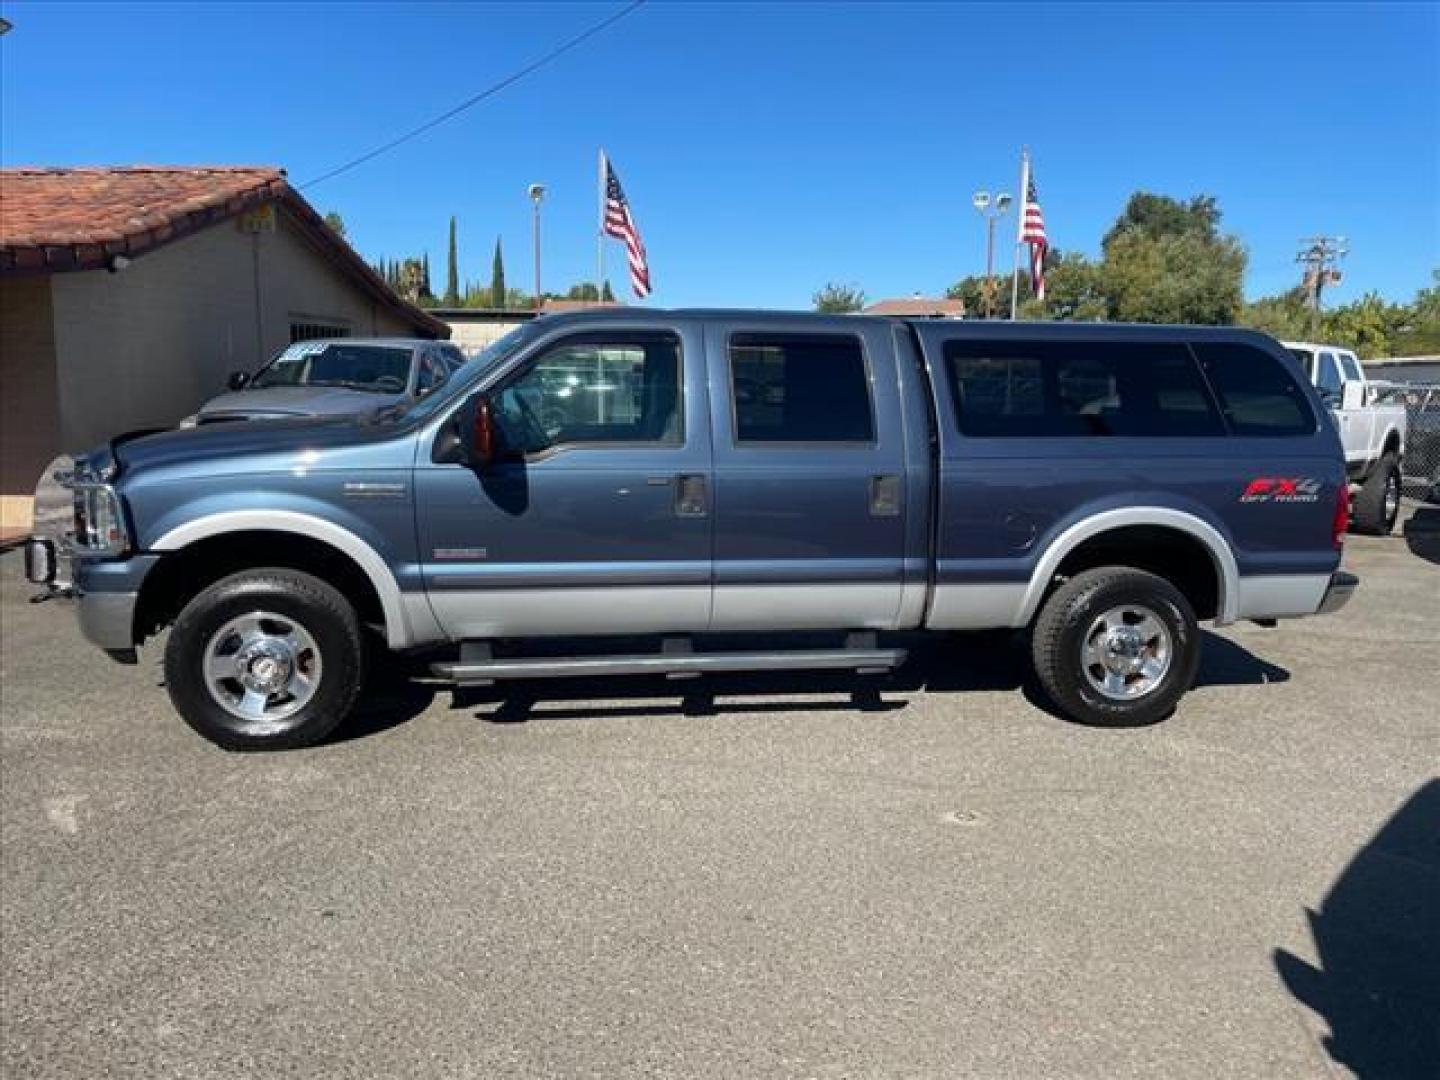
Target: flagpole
(600,235)
(1020,229)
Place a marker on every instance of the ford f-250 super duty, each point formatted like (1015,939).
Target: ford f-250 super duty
(1373,433)
(687,478)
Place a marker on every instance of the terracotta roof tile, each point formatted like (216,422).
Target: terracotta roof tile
(553,306)
(922,307)
(65,207)
(54,220)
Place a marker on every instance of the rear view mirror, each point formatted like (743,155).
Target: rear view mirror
(238,380)
(474,436)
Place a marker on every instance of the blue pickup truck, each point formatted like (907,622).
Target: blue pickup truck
(698,481)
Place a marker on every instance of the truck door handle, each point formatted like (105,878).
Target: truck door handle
(692,498)
(885,496)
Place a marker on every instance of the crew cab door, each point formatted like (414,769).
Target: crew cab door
(816,499)
(1358,429)
(599,519)
(1330,382)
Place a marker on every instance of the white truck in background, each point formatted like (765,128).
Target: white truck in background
(1372,433)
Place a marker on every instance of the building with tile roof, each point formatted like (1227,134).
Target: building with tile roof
(128,294)
(919,307)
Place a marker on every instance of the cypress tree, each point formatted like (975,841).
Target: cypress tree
(452,273)
(497,278)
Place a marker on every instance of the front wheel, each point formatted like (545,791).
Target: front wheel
(265,660)
(1116,647)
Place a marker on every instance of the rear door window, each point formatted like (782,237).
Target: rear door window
(800,388)
(1079,388)
(1256,393)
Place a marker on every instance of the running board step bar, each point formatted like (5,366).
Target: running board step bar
(675,665)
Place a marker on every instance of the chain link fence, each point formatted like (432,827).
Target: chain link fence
(1420,471)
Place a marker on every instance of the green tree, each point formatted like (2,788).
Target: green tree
(452,270)
(1368,325)
(336,223)
(1419,334)
(412,280)
(1166,261)
(1286,316)
(1158,216)
(839,299)
(1074,288)
(586,291)
(971,289)
(497,278)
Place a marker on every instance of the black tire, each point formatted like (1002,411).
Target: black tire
(1059,635)
(322,613)
(1373,514)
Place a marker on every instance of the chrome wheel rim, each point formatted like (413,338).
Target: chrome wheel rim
(1126,653)
(1392,497)
(261,667)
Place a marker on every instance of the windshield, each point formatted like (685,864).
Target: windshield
(380,369)
(464,378)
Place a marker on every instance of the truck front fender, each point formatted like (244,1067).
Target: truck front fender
(407,621)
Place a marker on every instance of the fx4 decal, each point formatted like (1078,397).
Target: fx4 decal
(1282,489)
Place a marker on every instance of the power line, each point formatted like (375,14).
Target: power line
(489,91)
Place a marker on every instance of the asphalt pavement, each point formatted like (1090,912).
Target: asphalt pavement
(927,876)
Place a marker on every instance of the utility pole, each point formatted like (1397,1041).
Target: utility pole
(1320,256)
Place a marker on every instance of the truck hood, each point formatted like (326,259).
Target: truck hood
(275,401)
(236,448)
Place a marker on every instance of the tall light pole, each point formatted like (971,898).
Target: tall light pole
(991,210)
(537,195)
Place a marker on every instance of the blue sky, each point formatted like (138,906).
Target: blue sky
(767,149)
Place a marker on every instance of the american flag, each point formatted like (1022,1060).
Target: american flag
(1032,232)
(619,223)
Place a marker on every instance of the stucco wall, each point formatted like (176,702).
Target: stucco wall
(298,284)
(474,335)
(29,420)
(147,346)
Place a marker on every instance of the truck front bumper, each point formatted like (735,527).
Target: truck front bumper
(107,619)
(1342,587)
(105,592)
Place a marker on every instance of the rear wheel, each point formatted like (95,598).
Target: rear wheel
(265,659)
(1377,505)
(1116,647)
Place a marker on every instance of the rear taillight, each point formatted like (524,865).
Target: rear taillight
(1341,524)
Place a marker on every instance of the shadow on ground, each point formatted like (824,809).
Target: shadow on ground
(1422,533)
(938,664)
(1378,938)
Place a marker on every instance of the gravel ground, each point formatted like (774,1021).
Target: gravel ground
(781,877)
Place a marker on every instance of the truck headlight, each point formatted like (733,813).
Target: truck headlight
(99,521)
